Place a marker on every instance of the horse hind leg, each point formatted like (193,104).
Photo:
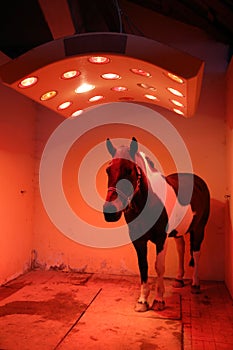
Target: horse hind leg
(196,238)
(195,288)
(180,247)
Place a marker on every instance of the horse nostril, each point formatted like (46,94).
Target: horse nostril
(111,213)
(109,208)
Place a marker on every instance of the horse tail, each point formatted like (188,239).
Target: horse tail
(191,262)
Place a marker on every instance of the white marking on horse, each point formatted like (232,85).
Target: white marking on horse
(145,291)
(179,216)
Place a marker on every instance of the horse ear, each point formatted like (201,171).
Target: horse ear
(110,147)
(133,147)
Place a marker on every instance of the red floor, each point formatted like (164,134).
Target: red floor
(54,310)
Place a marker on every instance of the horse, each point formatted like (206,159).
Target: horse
(156,207)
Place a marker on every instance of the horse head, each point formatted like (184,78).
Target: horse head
(123,179)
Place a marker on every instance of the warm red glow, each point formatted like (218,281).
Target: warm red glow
(27,82)
(84,88)
(119,88)
(96,98)
(140,72)
(98,59)
(76,155)
(146,86)
(177,103)
(175,92)
(178,111)
(175,78)
(70,74)
(110,76)
(64,105)
(77,113)
(151,97)
(48,95)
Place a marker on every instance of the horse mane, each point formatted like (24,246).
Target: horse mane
(150,162)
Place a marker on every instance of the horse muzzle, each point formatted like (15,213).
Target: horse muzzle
(111,214)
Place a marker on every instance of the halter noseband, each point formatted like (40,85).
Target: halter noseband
(122,194)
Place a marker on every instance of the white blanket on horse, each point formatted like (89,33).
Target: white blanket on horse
(179,216)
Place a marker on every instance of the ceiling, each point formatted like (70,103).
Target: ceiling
(41,39)
(213,16)
(25,24)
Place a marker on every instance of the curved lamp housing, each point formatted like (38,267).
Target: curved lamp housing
(70,74)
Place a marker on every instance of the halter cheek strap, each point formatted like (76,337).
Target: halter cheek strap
(119,192)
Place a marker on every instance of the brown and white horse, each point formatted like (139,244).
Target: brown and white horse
(156,207)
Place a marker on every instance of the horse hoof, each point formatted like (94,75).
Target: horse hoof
(178,283)
(195,289)
(158,305)
(141,307)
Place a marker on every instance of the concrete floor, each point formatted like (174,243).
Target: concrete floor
(55,310)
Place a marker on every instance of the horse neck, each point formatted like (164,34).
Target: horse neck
(144,185)
(140,197)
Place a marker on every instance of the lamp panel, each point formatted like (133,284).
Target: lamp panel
(69,75)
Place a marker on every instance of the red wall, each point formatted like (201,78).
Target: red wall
(17,161)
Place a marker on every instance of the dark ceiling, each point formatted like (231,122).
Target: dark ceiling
(23,25)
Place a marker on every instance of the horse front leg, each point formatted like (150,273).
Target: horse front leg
(159,303)
(180,247)
(141,249)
